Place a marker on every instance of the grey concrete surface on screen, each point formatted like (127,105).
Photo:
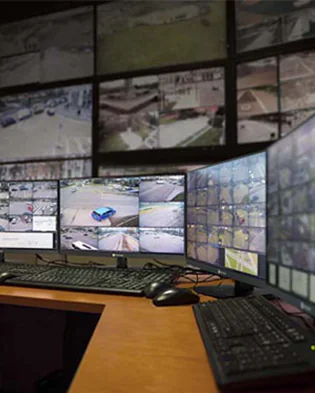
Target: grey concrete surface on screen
(162,215)
(20,225)
(118,242)
(58,63)
(77,205)
(30,138)
(161,242)
(251,130)
(4,194)
(20,194)
(257,193)
(69,236)
(20,207)
(44,192)
(20,70)
(4,222)
(45,208)
(150,191)
(257,240)
(4,207)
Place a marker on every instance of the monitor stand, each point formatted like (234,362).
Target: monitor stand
(224,291)
(121,262)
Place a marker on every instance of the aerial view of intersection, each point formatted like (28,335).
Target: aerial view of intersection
(80,198)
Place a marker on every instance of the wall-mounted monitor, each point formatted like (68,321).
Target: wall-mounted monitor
(266,23)
(129,215)
(257,101)
(297,84)
(50,47)
(29,215)
(46,170)
(43,124)
(130,170)
(139,35)
(177,110)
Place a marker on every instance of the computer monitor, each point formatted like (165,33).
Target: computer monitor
(291,217)
(226,219)
(28,215)
(123,216)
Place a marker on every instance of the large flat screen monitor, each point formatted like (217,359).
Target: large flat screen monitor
(226,214)
(124,215)
(46,124)
(28,215)
(291,217)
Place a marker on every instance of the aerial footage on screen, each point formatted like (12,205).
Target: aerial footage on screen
(46,170)
(183,109)
(257,101)
(109,215)
(262,23)
(28,207)
(100,202)
(57,123)
(138,35)
(47,48)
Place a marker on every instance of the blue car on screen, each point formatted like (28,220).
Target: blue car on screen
(102,213)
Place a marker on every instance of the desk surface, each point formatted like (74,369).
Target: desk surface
(136,347)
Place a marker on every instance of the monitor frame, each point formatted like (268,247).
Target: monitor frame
(242,280)
(12,250)
(123,255)
(291,297)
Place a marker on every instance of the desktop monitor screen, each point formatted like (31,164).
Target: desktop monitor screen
(291,216)
(123,214)
(28,215)
(226,214)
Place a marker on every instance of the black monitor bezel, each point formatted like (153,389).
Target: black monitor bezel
(118,254)
(294,299)
(56,233)
(223,271)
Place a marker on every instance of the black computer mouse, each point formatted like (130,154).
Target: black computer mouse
(4,276)
(175,297)
(152,289)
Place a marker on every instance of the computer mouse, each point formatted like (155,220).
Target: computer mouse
(4,276)
(152,289)
(175,297)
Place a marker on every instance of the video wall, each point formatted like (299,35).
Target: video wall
(127,214)
(177,96)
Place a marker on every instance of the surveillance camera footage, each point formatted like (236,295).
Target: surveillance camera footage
(123,214)
(28,207)
(227,210)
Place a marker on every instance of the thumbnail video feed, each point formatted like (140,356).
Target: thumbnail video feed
(101,239)
(128,214)
(99,202)
(291,199)
(227,210)
(162,240)
(28,207)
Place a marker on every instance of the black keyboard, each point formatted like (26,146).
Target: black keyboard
(131,281)
(250,342)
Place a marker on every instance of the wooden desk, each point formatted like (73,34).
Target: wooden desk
(136,347)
